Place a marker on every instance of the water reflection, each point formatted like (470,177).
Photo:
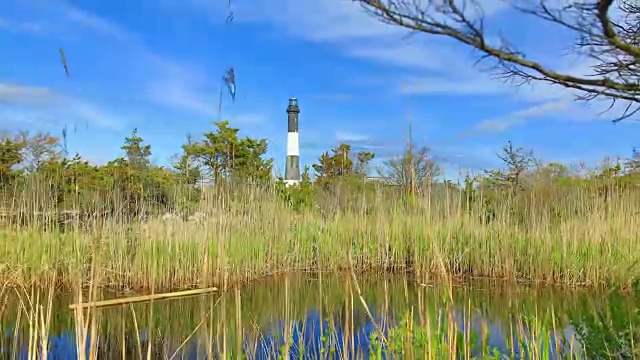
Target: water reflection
(323,318)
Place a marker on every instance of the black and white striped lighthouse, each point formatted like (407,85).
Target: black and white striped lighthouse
(292,169)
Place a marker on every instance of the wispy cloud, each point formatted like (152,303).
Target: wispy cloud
(522,116)
(350,137)
(346,20)
(405,54)
(451,85)
(180,94)
(57,17)
(324,20)
(14,94)
(172,84)
(41,106)
(19,26)
(96,23)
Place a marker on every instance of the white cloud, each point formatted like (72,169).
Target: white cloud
(180,94)
(178,85)
(20,94)
(404,54)
(443,85)
(312,18)
(521,116)
(40,106)
(343,136)
(58,17)
(562,107)
(19,26)
(96,23)
(321,20)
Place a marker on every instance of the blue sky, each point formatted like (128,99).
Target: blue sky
(156,65)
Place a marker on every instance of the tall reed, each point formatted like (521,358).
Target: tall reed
(245,232)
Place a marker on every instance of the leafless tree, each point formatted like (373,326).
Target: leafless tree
(412,168)
(612,44)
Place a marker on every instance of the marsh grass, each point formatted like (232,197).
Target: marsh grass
(573,237)
(36,305)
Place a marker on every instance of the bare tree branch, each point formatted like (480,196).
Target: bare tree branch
(613,46)
(414,165)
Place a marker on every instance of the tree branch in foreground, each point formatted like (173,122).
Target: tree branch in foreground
(613,46)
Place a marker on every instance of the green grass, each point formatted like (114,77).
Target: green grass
(543,235)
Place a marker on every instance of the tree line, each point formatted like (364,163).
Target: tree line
(132,184)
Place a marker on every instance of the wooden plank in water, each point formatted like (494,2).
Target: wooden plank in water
(134,299)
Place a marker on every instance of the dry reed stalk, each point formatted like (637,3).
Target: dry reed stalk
(346,339)
(556,343)
(195,330)
(82,325)
(512,340)
(151,329)
(30,304)
(362,301)
(351,318)
(209,332)
(453,333)
(15,348)
(4,296)
(287,320)
(93,346)
(222,329)
(137,330)
(32,315)
(142,298)
(239,330)
(123,348)
(321,297)
(45,321)
(467,325)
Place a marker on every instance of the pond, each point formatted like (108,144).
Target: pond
(312,316)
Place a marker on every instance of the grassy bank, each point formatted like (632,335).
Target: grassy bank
(575,237)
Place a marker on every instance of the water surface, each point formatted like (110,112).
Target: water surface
(324,318)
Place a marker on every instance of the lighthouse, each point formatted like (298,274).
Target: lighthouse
(292,168)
